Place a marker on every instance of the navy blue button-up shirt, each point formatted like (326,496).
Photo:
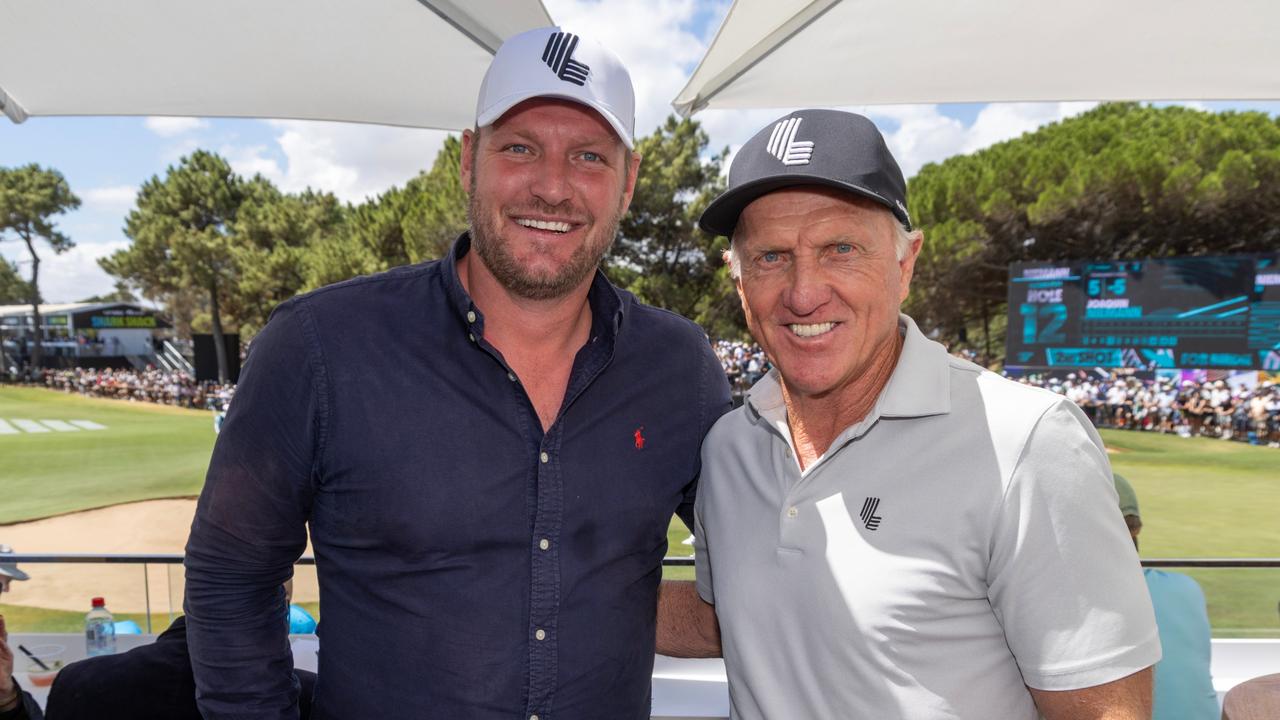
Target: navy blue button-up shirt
(470,565)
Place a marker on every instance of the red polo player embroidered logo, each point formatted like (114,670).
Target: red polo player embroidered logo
(639,438)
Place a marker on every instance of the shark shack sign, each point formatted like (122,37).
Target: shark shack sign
(119,318)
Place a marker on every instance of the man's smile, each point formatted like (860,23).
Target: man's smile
(812,329)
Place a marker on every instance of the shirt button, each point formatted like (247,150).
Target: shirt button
(792,511)
(511,376)
(544,458)
(533,717)
(471,337)
(788,452)
(540,634)
(471,316)
(545,544)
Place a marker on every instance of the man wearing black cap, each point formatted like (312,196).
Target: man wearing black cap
(884,530)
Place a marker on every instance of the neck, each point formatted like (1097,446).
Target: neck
(521,324)
(816,420)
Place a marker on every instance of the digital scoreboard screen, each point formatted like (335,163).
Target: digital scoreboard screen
(1189,312)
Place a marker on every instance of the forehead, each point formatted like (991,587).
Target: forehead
(555,117)
(812,211)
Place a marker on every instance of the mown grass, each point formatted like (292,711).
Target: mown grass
(147,451)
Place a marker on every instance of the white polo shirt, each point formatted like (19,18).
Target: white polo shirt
(962,542)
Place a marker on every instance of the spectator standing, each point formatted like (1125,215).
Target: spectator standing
(1183,685)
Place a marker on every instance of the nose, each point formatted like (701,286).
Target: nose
(551,182)
(809,289)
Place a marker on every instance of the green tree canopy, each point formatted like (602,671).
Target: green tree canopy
(13,289)
(1121,181)
(274,233)
(182,233)
(30,196)
(660,254)
(403,225)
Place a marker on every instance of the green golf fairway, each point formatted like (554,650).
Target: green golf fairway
(147,451)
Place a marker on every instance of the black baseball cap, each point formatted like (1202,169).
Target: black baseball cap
(834,148)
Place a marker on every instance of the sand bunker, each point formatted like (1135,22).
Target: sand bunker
(153,526)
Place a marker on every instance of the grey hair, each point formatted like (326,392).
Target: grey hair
(903,239)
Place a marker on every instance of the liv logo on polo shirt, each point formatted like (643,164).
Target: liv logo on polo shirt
(784,145)
(558,55)
(869,517)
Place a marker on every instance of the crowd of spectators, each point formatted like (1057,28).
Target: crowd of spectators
(1188,407)
(743,363)
(150,385)
(1183,407)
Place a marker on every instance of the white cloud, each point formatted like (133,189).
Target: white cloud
(653,39)
(351,161)
(73,275)
(171,126)
(118,198)
(1002,121)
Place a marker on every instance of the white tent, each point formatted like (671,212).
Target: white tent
(415,63)
(797,53)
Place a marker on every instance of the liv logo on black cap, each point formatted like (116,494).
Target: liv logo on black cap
(784,145)
(558,55)
(869,517)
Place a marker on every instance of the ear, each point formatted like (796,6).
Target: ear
(907,267)
(465,169)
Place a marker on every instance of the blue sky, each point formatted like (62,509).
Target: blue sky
(106,159)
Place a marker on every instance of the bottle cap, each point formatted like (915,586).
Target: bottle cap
(99,602)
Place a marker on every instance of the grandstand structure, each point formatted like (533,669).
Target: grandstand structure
(91,335)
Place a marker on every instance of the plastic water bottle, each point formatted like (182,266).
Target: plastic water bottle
(99,630)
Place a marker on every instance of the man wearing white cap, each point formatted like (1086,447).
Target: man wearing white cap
(883,530)
(487,449)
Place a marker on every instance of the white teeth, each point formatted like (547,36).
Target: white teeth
(811,330)
(544,225)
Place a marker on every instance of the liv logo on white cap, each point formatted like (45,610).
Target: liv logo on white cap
(784,145)
(558,55)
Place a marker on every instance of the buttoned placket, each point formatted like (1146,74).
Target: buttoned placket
(794,484)
(548,519)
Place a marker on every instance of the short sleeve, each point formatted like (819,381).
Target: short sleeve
(1064,577)
(702,557)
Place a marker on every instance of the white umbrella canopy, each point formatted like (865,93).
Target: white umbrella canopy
(805,53)
(413,63)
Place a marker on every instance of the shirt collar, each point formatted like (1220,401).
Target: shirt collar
(605,300)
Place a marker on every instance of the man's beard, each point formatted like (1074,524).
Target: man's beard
(515,277)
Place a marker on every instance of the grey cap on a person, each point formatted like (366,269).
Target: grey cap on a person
(831,148)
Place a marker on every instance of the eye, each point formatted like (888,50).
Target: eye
(770,257)
(518,149)
(844,248)
(592,157)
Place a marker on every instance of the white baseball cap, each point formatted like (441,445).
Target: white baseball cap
(550,62)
